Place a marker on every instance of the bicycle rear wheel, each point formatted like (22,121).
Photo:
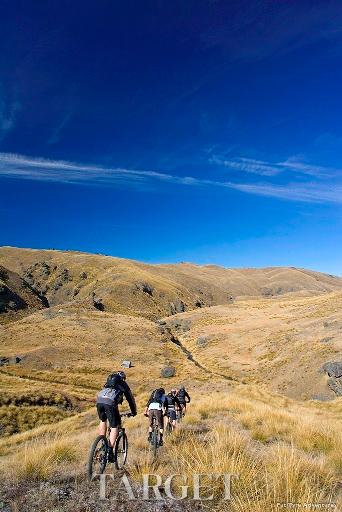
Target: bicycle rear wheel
(169,428)
(97,460)
(155,441)
(121,450)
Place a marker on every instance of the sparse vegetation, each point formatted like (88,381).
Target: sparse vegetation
(243,354)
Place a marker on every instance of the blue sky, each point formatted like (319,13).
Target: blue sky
(201,131)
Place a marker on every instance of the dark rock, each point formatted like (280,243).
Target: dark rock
(46,269)
(57,285)
(321,398)
(97,303)
(333,369)
(10,360)
(10,301)
(44,289)
(180,306)
(180,324)
(65,275)
(145,288)
(168,371)
(3,274)
(202,341)
(335,385)
(327,339)
(177,307)
(28,277)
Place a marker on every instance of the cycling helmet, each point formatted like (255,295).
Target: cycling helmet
(162,390)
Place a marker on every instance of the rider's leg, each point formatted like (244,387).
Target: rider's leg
(150,417)
(115,422)
(103,428)
(160,419)
(101,411)
(114,432)
(161,422)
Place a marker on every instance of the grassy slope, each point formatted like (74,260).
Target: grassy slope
(280,343)
(121,284)
(284,450)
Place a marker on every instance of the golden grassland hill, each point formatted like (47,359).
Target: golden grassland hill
(71,346)
(281,344)
(282,450)
(67,352)
(153,291)
(78,346)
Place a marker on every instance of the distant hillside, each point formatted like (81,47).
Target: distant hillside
(16,295)
(275,329)
(282,344)
(153,291)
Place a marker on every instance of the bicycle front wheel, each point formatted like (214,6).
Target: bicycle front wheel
(121,451)
(97,460)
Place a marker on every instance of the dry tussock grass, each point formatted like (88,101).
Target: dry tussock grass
(297,459)
(42,458)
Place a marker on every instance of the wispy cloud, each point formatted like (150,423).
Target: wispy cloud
(309,192)
(248,165)
(263,168)
(61,171)
(19,166)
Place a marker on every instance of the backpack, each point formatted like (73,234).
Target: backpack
(157,396)
(112,380)
(181,394)
(110,396)
(170,401)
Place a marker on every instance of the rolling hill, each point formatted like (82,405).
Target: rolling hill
(259,350)
(153,291)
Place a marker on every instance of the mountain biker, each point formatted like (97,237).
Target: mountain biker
(107,404)
(173,405)
(183,398)
(156,407)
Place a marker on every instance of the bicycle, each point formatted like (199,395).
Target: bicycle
(99,452)
(155,436)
